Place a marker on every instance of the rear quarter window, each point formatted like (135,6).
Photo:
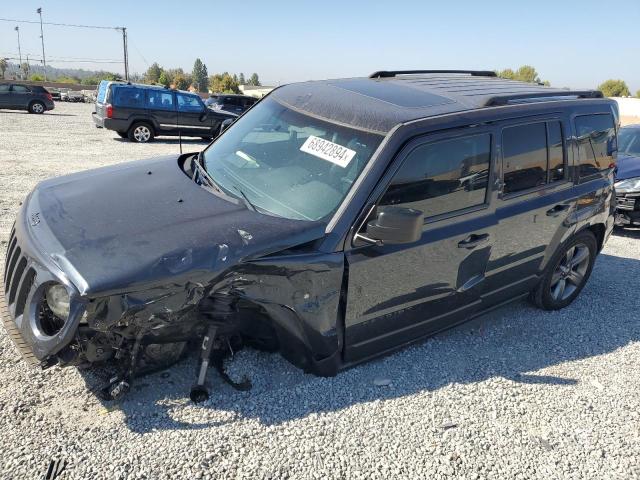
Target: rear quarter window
(128,97)
(596,143)
(102,91)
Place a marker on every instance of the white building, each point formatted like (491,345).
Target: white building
(253,91)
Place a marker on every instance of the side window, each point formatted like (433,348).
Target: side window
(128,97)
(532,155)
(596,143)
(20,89)
(188,103)
(160,100)
(4,88)
(443,176)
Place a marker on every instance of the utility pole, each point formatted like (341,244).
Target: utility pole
(19,51)
(126,52)
(44,60)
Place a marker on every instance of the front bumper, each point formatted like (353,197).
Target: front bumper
(628,209)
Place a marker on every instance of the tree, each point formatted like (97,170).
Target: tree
(36,77)
(525,73)
(638,94)
(614,88)
(67,79)
(241,80)
(200,76)
(164,79)
(3,65)
(152,75)
(223,83)
(254,80)
(181,81)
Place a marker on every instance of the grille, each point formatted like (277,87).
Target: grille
(626,203)
(18,280)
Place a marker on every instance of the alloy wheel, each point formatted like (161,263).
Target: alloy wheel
(37,108)
(570,273)
(142,133)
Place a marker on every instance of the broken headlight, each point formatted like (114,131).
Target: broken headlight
(57,298)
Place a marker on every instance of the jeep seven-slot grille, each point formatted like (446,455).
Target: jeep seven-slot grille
(18,280)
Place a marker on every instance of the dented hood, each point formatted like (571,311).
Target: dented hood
(128,226)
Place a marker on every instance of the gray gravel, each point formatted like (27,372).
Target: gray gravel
(518,393)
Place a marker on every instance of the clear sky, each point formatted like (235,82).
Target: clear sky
(570,43)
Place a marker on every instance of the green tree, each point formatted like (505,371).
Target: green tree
(254,80)
(223,83)
(164,79)
(67,79)
(638,94)
(241,80)
(36,77)
(614,88)
(152,75)
(3,65)
(200,76)
(525,73)
(181,81)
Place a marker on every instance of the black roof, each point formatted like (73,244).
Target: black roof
(385,99)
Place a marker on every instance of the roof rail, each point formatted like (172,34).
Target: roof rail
(499,100)
(393,73)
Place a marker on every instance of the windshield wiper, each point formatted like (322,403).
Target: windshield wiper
(247,202)
(203,176)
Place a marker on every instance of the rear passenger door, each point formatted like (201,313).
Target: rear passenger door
(397,293)
(533,204)
(162,107)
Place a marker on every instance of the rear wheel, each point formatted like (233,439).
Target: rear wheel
(37,107)
(140,132)
(567,273)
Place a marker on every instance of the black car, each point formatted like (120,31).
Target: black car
(142,112)
(333,222)
(32,98)
(230,102)
(628,177)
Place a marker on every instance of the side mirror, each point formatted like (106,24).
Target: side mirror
(394,225)
(225,124)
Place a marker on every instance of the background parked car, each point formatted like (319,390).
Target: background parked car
(142,112)
(230,103)
(33,98)
(628,176)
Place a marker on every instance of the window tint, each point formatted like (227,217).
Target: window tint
(524,161)
(160,100)
(443,176)
(596,142)
(4,88)
(128,97)
(20,89)
(188,103)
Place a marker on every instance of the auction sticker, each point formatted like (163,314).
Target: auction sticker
(329,151)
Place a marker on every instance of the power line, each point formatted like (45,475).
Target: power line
(61,24)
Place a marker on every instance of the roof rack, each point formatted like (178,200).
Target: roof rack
(498,100)
(393,73)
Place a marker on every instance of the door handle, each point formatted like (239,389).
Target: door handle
(473,240)
(557,210)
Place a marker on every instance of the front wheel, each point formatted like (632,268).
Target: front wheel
(140,132)
(567,272)
(37,107)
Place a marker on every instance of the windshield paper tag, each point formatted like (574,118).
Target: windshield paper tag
(329,151)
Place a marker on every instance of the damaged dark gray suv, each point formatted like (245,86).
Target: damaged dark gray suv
(334,222)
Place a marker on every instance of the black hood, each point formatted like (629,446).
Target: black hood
(124,227)
(628,166)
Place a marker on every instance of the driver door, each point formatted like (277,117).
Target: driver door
(397,293)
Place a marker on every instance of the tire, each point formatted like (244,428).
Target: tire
(567,272)
(37,107)
(123,134)
(140,132)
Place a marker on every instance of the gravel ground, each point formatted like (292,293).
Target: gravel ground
(519,393)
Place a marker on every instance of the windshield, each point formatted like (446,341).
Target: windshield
(629,141)
(287,163)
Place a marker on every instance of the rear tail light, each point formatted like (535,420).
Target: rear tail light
(49,97)
(109,110)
